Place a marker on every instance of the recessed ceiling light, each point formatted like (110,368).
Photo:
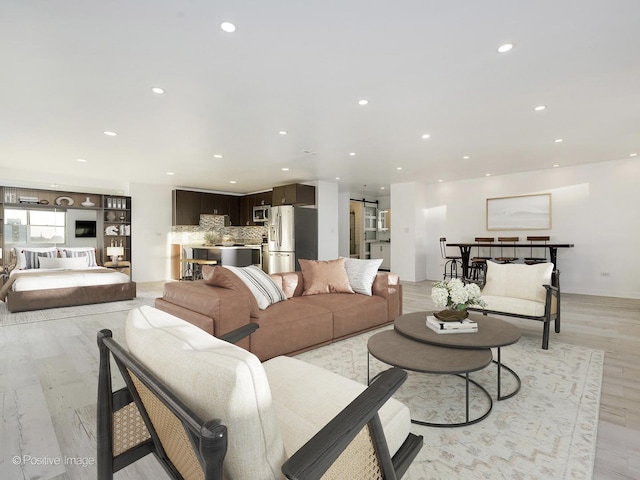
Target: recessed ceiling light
(539,108)
(381,188)
(232,181)
(337,178)
(558,140)
(110,134)
(284,169)
(466,157)
(54,185)
(487,174)
(363,102)
(217,155)
(352,154)
(425,136)
(556,165)
(633,155)
(398,168)
(505,48)
(158,90)
(283,132)
(170,173)
(82,160)
(440,181)
(228,27)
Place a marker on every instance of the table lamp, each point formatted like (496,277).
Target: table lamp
(114,253)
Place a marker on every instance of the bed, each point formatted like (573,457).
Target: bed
(51,277)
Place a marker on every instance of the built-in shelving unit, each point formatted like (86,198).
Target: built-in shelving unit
(117,225)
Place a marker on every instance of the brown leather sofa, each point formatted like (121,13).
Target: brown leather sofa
(300,323)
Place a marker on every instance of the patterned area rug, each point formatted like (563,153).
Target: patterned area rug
(547,430)
(8,318)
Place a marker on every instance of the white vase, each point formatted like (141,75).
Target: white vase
(88,203)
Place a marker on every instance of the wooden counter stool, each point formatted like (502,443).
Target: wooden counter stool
(531,259)
(506,258)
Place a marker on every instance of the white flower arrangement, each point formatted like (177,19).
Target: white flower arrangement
(455,295)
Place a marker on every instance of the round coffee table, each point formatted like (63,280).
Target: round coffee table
(492,333)
(400,351)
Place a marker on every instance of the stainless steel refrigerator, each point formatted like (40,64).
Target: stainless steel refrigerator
(293,234)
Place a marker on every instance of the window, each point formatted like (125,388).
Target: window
(34,226)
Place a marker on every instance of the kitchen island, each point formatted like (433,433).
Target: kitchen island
(238,255)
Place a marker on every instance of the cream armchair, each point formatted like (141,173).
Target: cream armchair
(209,410)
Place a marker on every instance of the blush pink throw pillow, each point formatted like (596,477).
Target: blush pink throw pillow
(324,276)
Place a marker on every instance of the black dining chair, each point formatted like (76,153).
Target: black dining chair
(537,243)
(451,261)
(478,265)
(505,242)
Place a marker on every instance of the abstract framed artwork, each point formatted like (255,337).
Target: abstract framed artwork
(523,212)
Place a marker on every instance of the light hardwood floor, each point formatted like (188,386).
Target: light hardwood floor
(48,384)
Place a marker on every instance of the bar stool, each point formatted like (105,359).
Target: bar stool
(194,267)
(505,258)
(531,260)
(451,265)
(479,262)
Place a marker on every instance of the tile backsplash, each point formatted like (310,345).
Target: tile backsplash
(188,234)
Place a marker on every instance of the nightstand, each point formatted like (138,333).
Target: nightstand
(123,266)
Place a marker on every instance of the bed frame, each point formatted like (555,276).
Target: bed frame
(69,296)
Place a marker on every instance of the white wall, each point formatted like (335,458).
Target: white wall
(343,224)
(150,232)
(593,206)
(328,223)
(74,214)
(408,227)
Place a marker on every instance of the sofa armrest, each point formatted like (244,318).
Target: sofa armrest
(387,285)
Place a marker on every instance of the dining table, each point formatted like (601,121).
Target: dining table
(465,250)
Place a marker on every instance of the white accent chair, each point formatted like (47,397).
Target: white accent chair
(523,291)
(208,409)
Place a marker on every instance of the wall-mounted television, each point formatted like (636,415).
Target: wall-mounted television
(85,229)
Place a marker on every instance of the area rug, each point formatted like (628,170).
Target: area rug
(547,430)
(8,318)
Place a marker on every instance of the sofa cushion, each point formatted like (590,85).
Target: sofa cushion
(291,326)
(518,281)
(222,277)
(351,313)
(217,380)
(307,397)
(324,276)
(514,305)
(361,273)
(262,287)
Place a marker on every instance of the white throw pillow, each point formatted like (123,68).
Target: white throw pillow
(362,273)
(66,263)
(89,252)
(21,255)
(264,289)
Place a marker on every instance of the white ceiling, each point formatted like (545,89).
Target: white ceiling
(73,69)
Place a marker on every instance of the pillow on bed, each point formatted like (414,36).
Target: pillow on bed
(31,256)
(21,263)
(74,263)
(88,252)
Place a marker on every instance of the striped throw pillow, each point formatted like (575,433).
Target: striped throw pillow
(31,257)
(263,288)
(76,252)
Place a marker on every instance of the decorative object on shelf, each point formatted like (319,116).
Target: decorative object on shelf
(64,201)
(88,203)
(111,216)
(44,202)
(115,253)
(111,230)
(456,296)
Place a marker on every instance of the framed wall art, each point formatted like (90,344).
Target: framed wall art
(524,212)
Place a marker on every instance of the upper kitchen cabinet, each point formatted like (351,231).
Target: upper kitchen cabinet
(186,207)
(253,200)
(220,204)
(294,194)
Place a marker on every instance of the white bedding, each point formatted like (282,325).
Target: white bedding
(34,279)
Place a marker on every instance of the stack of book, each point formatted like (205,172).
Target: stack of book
(462,326)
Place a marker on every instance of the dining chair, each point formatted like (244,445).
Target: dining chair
(510,248)
(452,261)
(537,246)
(484,252)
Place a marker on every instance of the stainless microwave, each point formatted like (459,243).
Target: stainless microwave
(261,213)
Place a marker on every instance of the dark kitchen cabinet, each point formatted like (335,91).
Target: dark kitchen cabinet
(186,207)
(248,202)
(294,194)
